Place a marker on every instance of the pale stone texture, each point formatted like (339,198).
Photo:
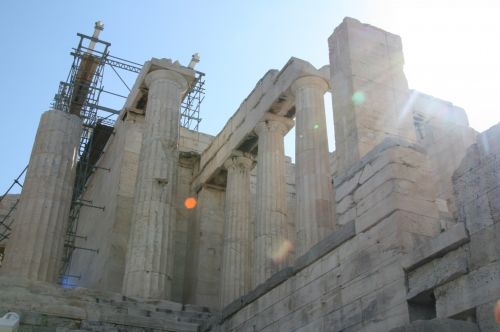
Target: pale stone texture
(236,256)
(477,182)
(111,186)
(385,255)
(203,264)
(437,272)
(46,307)
(313,177)
(149,264)
(270,227)
(443,130)
(36,243)
(358,284)
(439,325)
(369,90)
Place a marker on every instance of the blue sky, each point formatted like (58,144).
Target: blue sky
(450,49)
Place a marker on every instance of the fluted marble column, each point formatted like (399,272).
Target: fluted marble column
(149,262)
(270,227)
(236,260)
(312,171)
(35,247)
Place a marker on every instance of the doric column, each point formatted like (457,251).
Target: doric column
(35,246)
(312,172)
(236,260)
(270,227)
(149,262)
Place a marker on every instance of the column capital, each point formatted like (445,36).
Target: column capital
(273,122)
(169,75)
(310,81)
(239,160)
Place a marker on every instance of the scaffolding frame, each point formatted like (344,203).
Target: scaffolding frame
(190,106)
(80,95)
(7,220)
(189,118)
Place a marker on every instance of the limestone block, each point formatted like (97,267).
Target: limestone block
(341,235)
(388,319)
(438,325)
(471,290)
(345,204)
(349,316)
(437,272)
(485,318)
(346,216)
(484,246)
(370,281)
(391,203)
(476,183)
(443,243)
(345,186)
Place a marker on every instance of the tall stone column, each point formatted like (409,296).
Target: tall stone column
(312,172)
(235,277)
(34,250)
(270,227)
(149,262)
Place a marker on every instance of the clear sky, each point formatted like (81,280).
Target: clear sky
(451,50)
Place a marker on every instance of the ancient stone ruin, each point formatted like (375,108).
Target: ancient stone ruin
(396,230)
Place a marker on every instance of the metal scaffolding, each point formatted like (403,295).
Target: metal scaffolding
(80,95)
(7,220)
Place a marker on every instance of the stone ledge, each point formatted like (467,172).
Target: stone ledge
(437,272)
(41,299)
(326,245)
(386,144)
(436,247)
(438,325)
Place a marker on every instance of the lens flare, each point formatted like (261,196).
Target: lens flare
(496,311)
(283,250)
(358,98)
(316,126)
(190,203)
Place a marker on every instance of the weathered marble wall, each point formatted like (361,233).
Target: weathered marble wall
(108,230)
(455,275)
(353,279)
(443,131)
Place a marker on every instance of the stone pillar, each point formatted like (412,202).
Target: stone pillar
(369,90)
(270,228)
(236,260)
(149,262)
(35,247)
(312,173)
